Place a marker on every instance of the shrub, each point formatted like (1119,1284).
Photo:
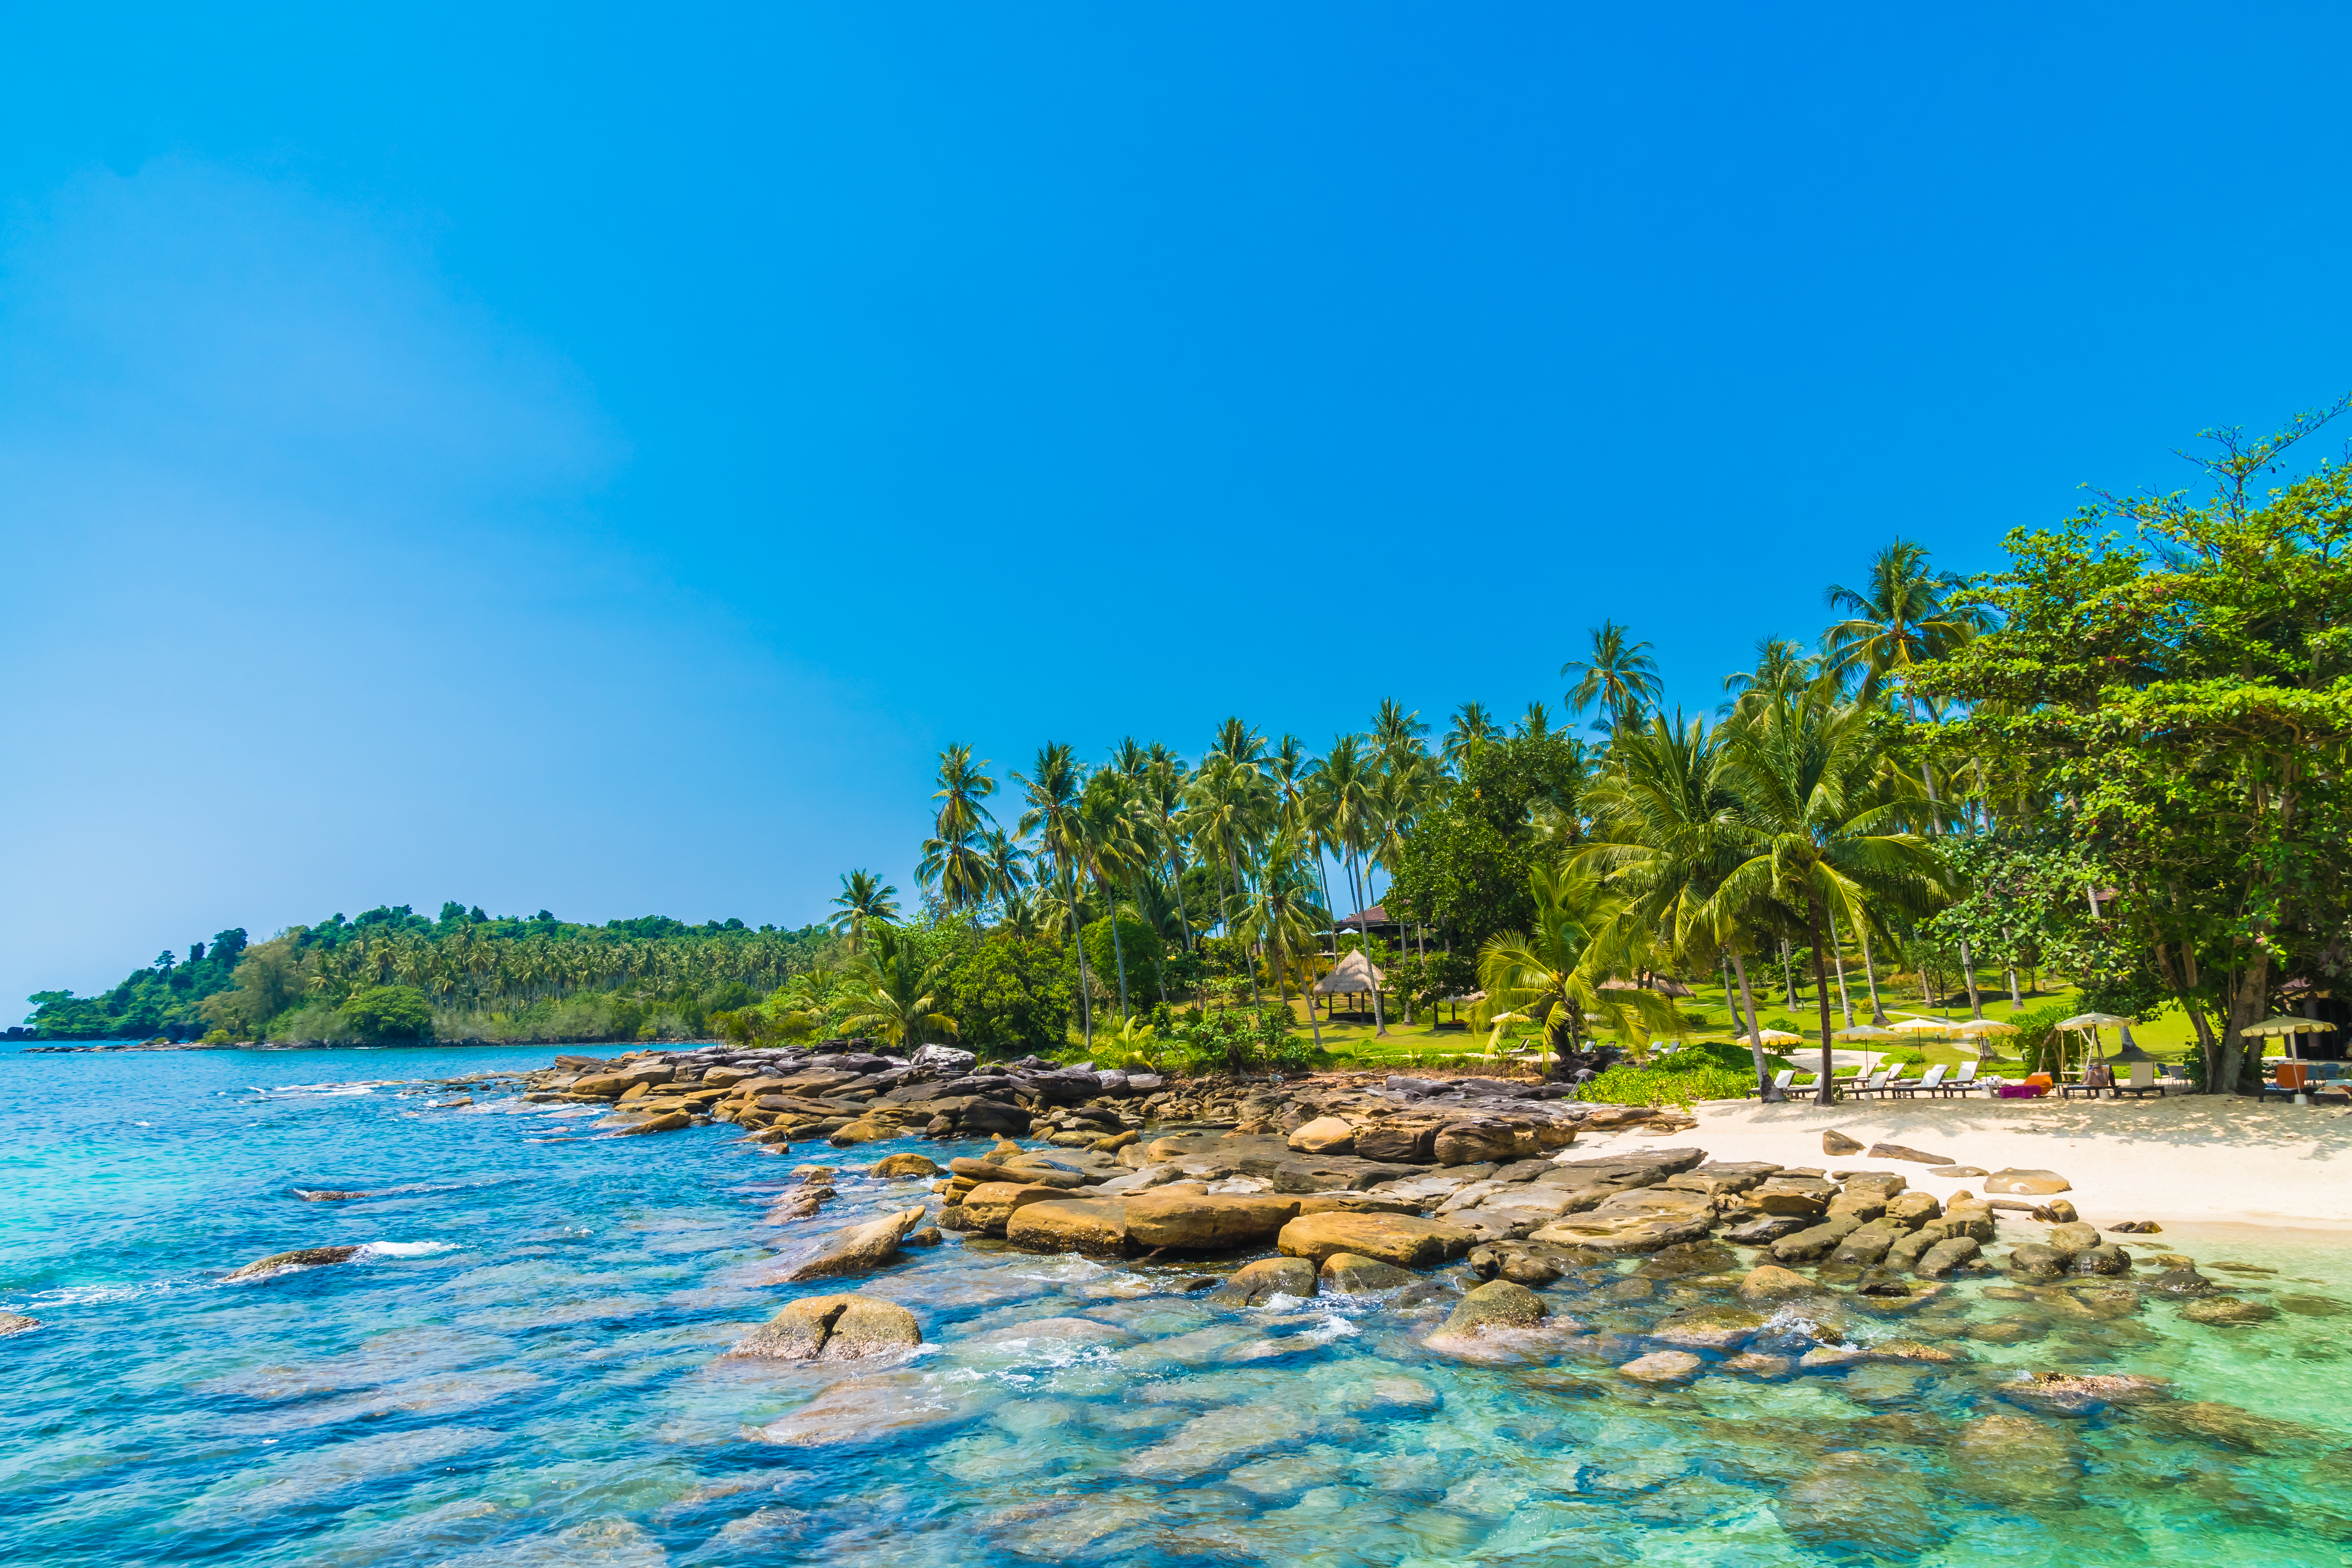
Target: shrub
(389,1013)
(1660,1086)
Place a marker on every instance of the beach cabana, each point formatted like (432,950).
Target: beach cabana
(1353,976)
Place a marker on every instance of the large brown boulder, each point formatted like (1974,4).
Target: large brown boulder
(1351,1275)
(1324,1135)
(990,1207)
(905,1165)
(847,1327)
(1096,1225)
(1769,1282)
(858,1249)
(1207,1222)
(1793,1195)
(1408,1142)
(1399,1239)
(1485,1141)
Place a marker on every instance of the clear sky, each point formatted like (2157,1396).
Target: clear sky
(590,458)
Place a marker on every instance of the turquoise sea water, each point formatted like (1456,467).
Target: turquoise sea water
(525,1368)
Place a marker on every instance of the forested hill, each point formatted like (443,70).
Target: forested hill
(392,973)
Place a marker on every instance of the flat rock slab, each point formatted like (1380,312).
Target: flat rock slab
(2027,1182)
(1662,1366)
(1898,1152)
(1402,1240)
(870,1410)
(1095,1225)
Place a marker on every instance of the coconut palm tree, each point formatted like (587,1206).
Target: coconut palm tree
(865,901)
(1781,668)
(1535,723)
(1052,789)
(1281,916)
(1351,784)
(1162,795)
(1902,617)
(1109,853)
(1553,973)
(955,857)
(1666,832)
(890,995)
(1008,865)
(1621,676)
(1471,727)
(1812,829)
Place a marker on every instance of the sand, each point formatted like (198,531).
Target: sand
(2186,1158)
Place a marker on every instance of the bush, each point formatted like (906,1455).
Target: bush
(1239,1040)
(1661,1086)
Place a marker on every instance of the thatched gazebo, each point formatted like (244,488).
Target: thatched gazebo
(1354,975)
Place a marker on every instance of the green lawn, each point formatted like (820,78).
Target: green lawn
(1418,1044)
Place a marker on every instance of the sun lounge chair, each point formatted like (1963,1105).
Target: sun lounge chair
(1928,1085)
(1861,1088)
(1780,1081)
(1963,1084)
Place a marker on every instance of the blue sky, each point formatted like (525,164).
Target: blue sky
(595,458)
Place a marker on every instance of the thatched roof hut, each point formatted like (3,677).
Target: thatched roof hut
(1353,975)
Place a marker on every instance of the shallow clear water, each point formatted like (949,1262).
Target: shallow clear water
(525,1369)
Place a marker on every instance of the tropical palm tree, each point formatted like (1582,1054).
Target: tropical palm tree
(1535,723)
(1053,790)
(1281,916)
(1471,727)
(1782,669)
(890,995)
(1351,786)
(1665,832)
(1008,865)
(1812,831)
(865,901)
(955,857)
(1555,971)
(1903,617)
(1162,795)
(1621,676)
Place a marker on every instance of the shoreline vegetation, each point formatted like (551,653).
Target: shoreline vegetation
(2104,779)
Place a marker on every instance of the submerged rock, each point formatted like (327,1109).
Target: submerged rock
(2227,1311)
(1771,1283)
(847,1326)
(858,1249)
(1662,1366)
(300,1257)
(2017,1459)
(2080,1394)
(1709,1328)
(1253,1284)
(867,1410)
(1355,1274)
(17,1323)
(1853,1501)
(1498,1304)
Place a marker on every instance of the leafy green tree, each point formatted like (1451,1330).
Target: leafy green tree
(1010,996)
(388,1013)
(893,991)
(1462,867)
(2178,702)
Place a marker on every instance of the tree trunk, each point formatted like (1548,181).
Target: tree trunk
(1968,968)
(1827,1093)
(1845,1003)
(1788,977)
(1755,1029)
(1079,932)
(2245,1007)
(1380,1022)
(1870,972)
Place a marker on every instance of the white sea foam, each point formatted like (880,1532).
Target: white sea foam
(405,1249)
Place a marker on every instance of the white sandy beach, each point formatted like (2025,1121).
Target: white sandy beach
(2188,1158)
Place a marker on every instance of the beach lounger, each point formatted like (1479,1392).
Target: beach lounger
(1928,1085)
(1862,1089)
(1780,1081)
(1963,1084)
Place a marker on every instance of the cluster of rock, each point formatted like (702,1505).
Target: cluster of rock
(848,1095)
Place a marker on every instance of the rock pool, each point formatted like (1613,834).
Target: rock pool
(525,1362)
